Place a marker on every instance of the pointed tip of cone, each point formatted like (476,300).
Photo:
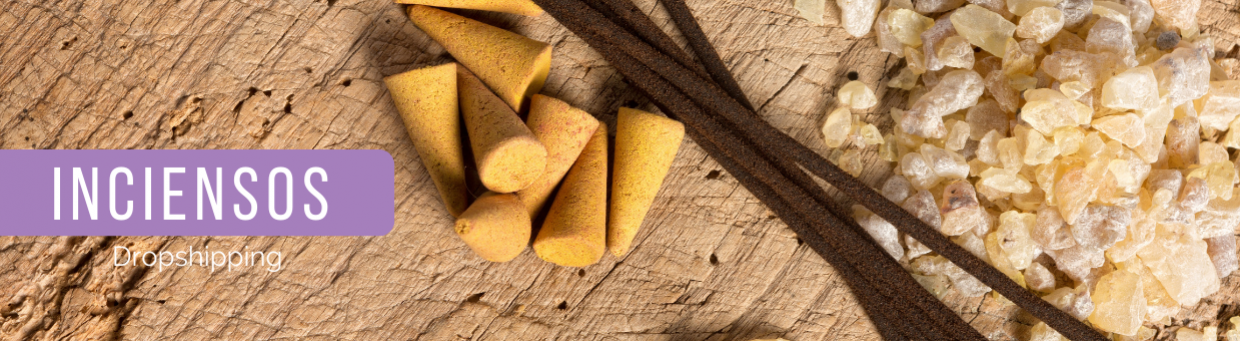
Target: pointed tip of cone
(564,131)
(508,156)
(426,99)
(512,65)
(495,227)
(575,231)
(435,71)
(534,81)
(673,129)
(646,145)
(618,251)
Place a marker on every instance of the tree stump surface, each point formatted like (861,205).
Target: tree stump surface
(710,263)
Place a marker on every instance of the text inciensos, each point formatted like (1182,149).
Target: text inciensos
(213,192)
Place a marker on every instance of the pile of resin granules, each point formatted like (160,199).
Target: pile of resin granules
(1080,147)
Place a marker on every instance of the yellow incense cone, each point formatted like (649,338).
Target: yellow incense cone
(508,155)
(512,65)
(522,7)
(575,232)
(496,227)
(646,144)
(564,130)
(427,102)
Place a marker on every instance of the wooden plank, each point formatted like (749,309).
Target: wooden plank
(711,262)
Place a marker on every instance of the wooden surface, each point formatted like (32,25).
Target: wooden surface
(711,262)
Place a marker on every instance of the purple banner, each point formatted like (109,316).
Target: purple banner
(196,193)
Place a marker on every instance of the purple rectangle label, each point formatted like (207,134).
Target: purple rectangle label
(196,193)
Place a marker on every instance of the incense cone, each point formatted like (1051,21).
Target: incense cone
(522,7)
(646,144)
(564,130)
(508,155)
(512,65)
(495,227)
(427,103)
(575,232)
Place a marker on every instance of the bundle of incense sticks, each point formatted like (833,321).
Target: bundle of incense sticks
(769,163)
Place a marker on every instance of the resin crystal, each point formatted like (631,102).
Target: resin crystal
(837,127)
(811,10)
(1179,13)
(897,188)
(985,117)
(960,210)
(946,164)
(884,234)
(1222,250)
(1047,110)
(1075,12)
(1038,150)
(958,136)
(923,207)
(1074,301)
(906,26)
(1183,75)
(1135,89)
(983,28)
(1183,266)
(857,96)
(1042,332)
(1128,128)
(957,90)
(935,6)
(1020,57)
(1101,226)
(1141,13)
(1014,237)
(1039,278)
(1119,305)
(932,41)
(1040,24)
(1023,7)
(1220,105)
(1183,137)
(1051,232)
(999,86)
(857,16)
(956,52)
(1113,37)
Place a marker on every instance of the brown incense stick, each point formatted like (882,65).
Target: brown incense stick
(884,312)
(581,18)
(907,286)
(637,23)
(925,325)
(902,280)
(897,313)
(706,53)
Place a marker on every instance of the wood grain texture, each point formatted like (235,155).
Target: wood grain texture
(711,262)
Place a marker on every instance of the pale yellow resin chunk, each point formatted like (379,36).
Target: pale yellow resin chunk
(1119,305)
(983,28)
